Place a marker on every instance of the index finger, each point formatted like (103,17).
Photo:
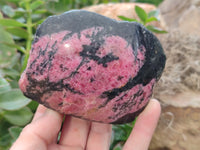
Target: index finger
(145,125)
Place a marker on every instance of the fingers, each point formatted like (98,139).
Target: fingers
(74,132)
(78,134)
(46,125)
(144,128)
(40,111)
(99,137)
(41,132)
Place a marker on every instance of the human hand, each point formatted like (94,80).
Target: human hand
(77,134)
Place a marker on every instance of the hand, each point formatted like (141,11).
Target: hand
(77,134)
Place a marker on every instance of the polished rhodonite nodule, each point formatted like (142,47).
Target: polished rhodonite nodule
(89,66)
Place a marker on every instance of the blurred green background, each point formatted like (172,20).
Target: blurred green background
(18,22)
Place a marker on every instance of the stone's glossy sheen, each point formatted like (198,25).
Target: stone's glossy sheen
(89,66)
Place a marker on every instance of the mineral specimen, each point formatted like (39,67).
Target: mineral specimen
(90,66)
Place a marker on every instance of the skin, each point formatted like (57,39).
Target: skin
(77,134)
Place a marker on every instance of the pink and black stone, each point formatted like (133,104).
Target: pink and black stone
(92,67)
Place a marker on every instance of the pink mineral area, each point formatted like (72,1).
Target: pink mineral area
(123,104)
(23,82)
(91,79)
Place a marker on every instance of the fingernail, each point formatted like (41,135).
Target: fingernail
(153,104)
